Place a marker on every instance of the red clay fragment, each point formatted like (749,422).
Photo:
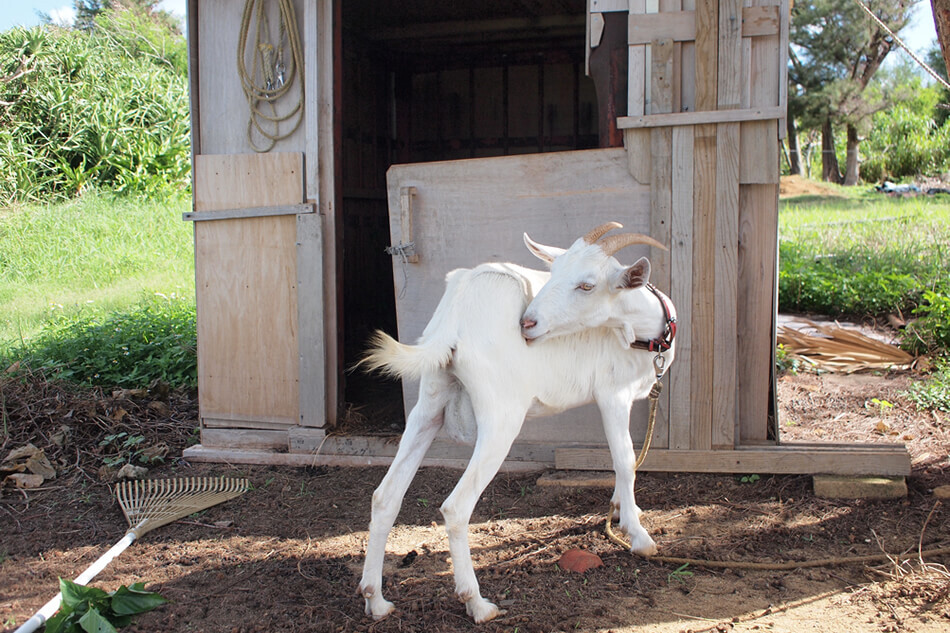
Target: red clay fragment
(578,560)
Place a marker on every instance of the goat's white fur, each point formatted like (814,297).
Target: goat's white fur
(481,375)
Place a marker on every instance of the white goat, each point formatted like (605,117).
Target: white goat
(590,333)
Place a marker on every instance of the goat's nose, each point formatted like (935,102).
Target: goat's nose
(527,324)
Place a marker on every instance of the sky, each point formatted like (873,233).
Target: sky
(920,35)
(24,12)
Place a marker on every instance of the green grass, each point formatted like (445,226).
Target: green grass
(131,347)
(90,256)
(864,253)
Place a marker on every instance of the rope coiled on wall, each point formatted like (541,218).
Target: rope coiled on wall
(271,76)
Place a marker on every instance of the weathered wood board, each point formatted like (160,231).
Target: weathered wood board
(245,277)
(471,211)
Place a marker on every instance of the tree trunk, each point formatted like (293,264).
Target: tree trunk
(851,161)
(942,22)
(830,172)
(794,149)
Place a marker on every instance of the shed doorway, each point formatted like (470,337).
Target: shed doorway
(436,81)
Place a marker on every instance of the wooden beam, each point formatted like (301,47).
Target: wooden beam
(250,212)
(760,21)
(637,143)
(681,286)
(758,224)
(787,459)
(680,26)
(661,194)
(480,30)
(202,453)
(701,118)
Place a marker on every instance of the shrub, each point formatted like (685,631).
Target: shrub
(154,340)
(931,332)
(104,108)
(905,141)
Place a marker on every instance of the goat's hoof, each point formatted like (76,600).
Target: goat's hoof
(482,610)
(642,544)
(379,609)
(376,606)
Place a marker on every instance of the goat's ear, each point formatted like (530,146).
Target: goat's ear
(542,252)
(635,276)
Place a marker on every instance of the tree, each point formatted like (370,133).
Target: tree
(941,9)
(88,10)
(835,51)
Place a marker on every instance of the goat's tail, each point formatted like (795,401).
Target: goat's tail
(392,358)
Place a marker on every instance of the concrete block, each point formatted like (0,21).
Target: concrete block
(848,487)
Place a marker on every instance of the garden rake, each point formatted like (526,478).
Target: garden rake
(148,505)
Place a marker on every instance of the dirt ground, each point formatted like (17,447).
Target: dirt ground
(287,555)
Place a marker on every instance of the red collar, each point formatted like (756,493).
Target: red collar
(665,340)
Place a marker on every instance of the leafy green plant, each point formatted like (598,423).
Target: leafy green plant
(934,391)
(931,331)
(104,107)
(155,340)
(786,363)
(679,575)
(904,141)
(749,479)
(92,610)
(127,449)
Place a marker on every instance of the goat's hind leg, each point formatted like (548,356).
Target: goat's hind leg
(492,446)
(422,425)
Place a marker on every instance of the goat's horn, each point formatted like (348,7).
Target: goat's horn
(614,243)
(597,233)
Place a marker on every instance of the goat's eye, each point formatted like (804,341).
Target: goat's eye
(585,286)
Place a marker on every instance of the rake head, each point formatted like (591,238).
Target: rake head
(148,504)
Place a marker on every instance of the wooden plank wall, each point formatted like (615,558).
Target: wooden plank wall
(713,82)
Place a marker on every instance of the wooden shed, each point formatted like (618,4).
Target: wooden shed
(446,129)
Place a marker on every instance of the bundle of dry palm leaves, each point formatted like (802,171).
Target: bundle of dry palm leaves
(835,348)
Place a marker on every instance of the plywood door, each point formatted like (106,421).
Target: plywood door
(245,268)
(471,211)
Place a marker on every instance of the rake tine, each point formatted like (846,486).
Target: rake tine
(148,504)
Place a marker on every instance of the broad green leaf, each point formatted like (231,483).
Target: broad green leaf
(74,595)
(134,599)
(58,622)
(94,622)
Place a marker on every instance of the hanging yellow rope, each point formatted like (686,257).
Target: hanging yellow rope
(272,76)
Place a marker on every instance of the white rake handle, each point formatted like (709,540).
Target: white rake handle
(41,616)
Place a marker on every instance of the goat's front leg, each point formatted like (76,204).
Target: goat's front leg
(495,436)
(422,425)
(615,411)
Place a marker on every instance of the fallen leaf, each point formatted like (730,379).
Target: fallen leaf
(39,465)
(24,480)
(130,471)
(154,452)
(159,407)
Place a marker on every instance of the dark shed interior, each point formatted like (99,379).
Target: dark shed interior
(433,80)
